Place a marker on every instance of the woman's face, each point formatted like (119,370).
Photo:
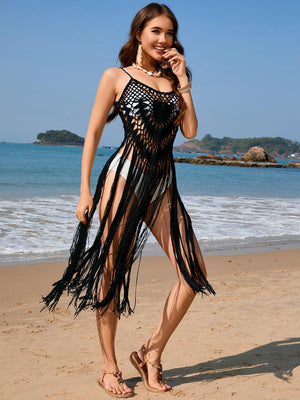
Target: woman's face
(156,37)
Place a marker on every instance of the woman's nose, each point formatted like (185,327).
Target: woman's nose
(162,38)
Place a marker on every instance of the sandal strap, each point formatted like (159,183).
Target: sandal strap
(116,374)
(154,364)
(142,363)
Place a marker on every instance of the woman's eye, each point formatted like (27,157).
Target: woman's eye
(156,31)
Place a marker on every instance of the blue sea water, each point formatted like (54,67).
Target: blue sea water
(231,207)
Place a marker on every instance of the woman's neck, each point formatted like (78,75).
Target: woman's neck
(149,63)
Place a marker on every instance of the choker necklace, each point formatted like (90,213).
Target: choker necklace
(158,73)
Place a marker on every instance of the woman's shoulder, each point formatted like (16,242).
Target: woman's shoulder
(112,78)
(113,73)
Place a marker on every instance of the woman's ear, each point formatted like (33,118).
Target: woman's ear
(138,36)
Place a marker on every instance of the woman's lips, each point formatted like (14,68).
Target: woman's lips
(160,50)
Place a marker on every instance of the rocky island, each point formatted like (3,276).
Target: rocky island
(255,157)
(59,138)
(277,147)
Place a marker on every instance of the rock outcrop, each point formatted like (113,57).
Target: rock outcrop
(255,157)
(293,164)
(257,154)
(204,160)
(187,147)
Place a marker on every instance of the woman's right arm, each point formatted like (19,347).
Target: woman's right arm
(103,103)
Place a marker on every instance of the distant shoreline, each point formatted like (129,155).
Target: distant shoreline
(58,144)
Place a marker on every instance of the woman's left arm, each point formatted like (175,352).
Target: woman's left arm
(189,123)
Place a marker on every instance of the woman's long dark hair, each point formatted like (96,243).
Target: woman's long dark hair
(128,52)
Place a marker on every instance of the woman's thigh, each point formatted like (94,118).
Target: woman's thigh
(116,217)
(162,231)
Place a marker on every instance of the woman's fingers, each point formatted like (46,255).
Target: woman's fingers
(83,213)
(176,60)
(172,53)
(88,213)
(80,215)
(172,50)
(84,208)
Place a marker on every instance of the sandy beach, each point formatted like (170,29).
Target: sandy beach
(244,343)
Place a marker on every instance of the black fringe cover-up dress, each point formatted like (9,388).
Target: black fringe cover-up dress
(142,182)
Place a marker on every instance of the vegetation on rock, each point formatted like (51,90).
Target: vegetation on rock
(227,145)
(60,138)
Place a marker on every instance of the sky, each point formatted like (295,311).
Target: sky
(244,57)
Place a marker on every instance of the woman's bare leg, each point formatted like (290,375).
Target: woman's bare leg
(107,323)
(180,297)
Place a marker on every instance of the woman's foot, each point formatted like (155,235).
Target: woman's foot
(154,369)
(113,384)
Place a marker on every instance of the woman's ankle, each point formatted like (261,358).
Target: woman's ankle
(151,352)
(109,366)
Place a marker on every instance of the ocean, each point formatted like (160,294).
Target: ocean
(233,209)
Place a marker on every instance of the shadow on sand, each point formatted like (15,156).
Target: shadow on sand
(278,358)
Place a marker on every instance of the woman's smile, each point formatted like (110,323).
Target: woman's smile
(160,50)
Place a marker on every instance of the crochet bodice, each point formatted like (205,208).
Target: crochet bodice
(148,117)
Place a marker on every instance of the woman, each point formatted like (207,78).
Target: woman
(136,192)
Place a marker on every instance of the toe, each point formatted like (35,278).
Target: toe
(125,388)
(164,388)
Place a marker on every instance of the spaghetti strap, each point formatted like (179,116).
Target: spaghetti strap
(124,69)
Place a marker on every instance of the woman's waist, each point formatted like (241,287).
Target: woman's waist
(138,163)
(146,160)
(148,154)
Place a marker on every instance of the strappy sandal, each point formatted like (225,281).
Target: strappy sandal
(141,367)
(117,375)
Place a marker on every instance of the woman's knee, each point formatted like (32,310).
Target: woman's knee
(185,287)
(105,284)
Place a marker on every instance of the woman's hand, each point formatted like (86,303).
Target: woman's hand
(85,203)
(177,62)
(189,123)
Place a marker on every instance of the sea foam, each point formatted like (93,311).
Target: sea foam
(40,228)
